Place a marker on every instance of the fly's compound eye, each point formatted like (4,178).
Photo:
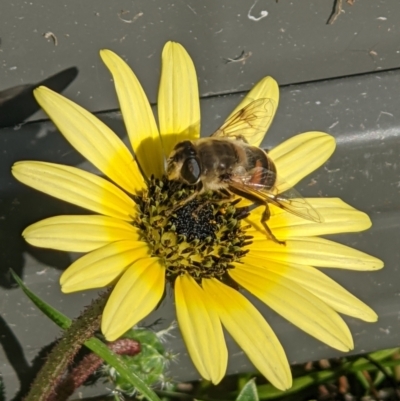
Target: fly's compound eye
(191,171)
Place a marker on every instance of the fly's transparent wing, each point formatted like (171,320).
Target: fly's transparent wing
(248,185)
(249,123)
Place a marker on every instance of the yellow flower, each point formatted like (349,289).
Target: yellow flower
(130,241)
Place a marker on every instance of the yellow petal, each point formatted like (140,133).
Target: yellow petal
(77,187)
(101,267)
(336,216)
(299,156)
(93,139)
(201,329)
(79,233)
(138,116)
(315,251)
(267,88)
(178,98)
(250,330)
(295,304)
(136,294)
(318,284)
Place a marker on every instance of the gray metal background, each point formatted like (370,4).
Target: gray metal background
(293,44)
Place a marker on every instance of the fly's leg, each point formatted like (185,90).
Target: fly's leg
(264,218)
(226,194)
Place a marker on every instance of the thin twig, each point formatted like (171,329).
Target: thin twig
(338,10)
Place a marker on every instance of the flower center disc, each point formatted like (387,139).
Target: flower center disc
(201,237)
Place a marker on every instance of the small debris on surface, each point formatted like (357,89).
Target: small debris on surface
(243,56)
(128,21)
(384,113)
(50,35)
(192,9)
(263,13)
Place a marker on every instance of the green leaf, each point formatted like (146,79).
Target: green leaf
(362,380)
(377,356)
(57,317)
(383,354)
(249,392)
(372,368)
(100,349)
(94,344)
(380,377)
(268,392)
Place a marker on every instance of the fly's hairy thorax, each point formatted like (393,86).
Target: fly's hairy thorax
(224,159)
(218,157)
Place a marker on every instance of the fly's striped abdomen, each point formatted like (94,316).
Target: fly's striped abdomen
(261,166)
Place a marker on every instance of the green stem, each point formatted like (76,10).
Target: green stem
(64,351)
(88,365)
